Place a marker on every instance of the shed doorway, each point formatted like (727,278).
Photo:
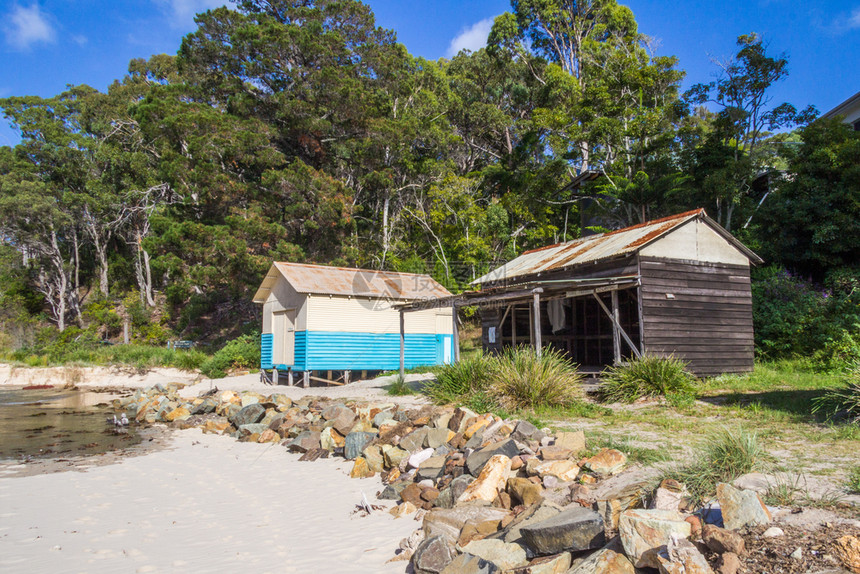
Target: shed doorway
(284,337)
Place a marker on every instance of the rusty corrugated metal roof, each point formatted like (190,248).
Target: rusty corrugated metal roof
(324,280)
(591,248)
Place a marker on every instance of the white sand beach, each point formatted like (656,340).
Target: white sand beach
(205,503)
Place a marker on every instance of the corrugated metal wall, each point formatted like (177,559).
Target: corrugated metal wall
(367,351)
(266,340)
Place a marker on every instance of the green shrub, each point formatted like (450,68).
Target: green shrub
(842,352)
(241,353)
(648,376)
(520,379)
(726,455)
(466,377)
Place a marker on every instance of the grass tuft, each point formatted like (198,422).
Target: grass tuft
(649,376)
(853,480)
(520,379)
(726,455)
(841,402)
(468,376)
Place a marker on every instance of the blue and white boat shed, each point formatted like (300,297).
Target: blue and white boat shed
(327,322)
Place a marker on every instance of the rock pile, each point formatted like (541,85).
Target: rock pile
(493,495)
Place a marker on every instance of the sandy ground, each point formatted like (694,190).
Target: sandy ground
(204,504)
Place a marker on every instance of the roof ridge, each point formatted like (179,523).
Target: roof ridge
(381,271)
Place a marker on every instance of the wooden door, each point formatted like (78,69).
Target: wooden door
(284,343)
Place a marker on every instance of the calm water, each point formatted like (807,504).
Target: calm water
(54,423)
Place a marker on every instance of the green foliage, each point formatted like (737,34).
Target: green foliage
(520,379)
(649,376)
(242,352)
(725,455)
(399,387)
(517,379)
(853,480)
(844,401)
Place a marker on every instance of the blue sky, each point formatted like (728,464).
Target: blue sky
(48,44)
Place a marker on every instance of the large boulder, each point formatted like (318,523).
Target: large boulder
(355,442)
(448,522)
(681,557)
(524,491)
(605,561)
(476,461)
(305,441)
(531,515)
(741,508)
(415,440)
(500,553)
(491,480)
(606,462)
(468,564)
(644,532)
(612,503)
(572,530)
(432,555)
(341,418)
(572,441)
(249,414)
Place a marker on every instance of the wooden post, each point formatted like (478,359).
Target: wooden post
(456,333)
(275,376)
(514,327)
(536,314)
(306,379)
(402,346)
(290,380)
(125,331)
(616,336)
(346,376)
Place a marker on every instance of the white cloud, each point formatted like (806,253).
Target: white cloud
(28,26)
(854,19)
(182,12)
(80,39)
(472,38)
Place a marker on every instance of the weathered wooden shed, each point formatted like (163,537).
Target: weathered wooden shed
(678,285)
(320,320)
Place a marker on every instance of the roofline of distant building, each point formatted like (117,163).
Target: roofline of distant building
(839,110)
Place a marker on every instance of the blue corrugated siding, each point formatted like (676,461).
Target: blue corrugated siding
(366,351)
(266,341)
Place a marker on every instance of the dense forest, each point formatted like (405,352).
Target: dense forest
(300,131)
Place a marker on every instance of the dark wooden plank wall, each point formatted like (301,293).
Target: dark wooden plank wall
(708,323)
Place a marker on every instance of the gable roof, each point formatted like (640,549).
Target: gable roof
(324,280)
(843,108)
(605,246)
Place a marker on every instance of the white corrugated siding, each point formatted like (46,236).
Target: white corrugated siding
(358,315)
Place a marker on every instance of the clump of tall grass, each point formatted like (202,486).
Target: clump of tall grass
(520,379)
(725,455)
(516,379)
(648,376)
(842,402)
(853,480)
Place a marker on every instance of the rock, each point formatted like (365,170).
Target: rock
(695,526)
(373,455)
(644,532)
(572,441)
(382,418)
(625,496)
(331,439)
(412,493)
(269,435)
(448,496)
(476,461)
(477,530)
(416,459)
(342,418)
(437,437)
(721,540)
(305,441)
(524,431)
(177,414)
(669,498)
(524,491)
(469,564)
(361,469)
(557,564)
(563,470)
(432,555)
(402,510)
(394,456)
(249,399)
(773,532)
(491,480)
(206,406)
(218,427)
(393,490)
(606,462)
(414,440)
(475,427)
(847,549)
(729,563)
(249,414)
(753,481)
(532,515)
(572,530)
(249,429)
(500,553)
(355,442)
(681,557)
(741,508)
(554,452)
(797,554)
(604,561)
(448,522)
